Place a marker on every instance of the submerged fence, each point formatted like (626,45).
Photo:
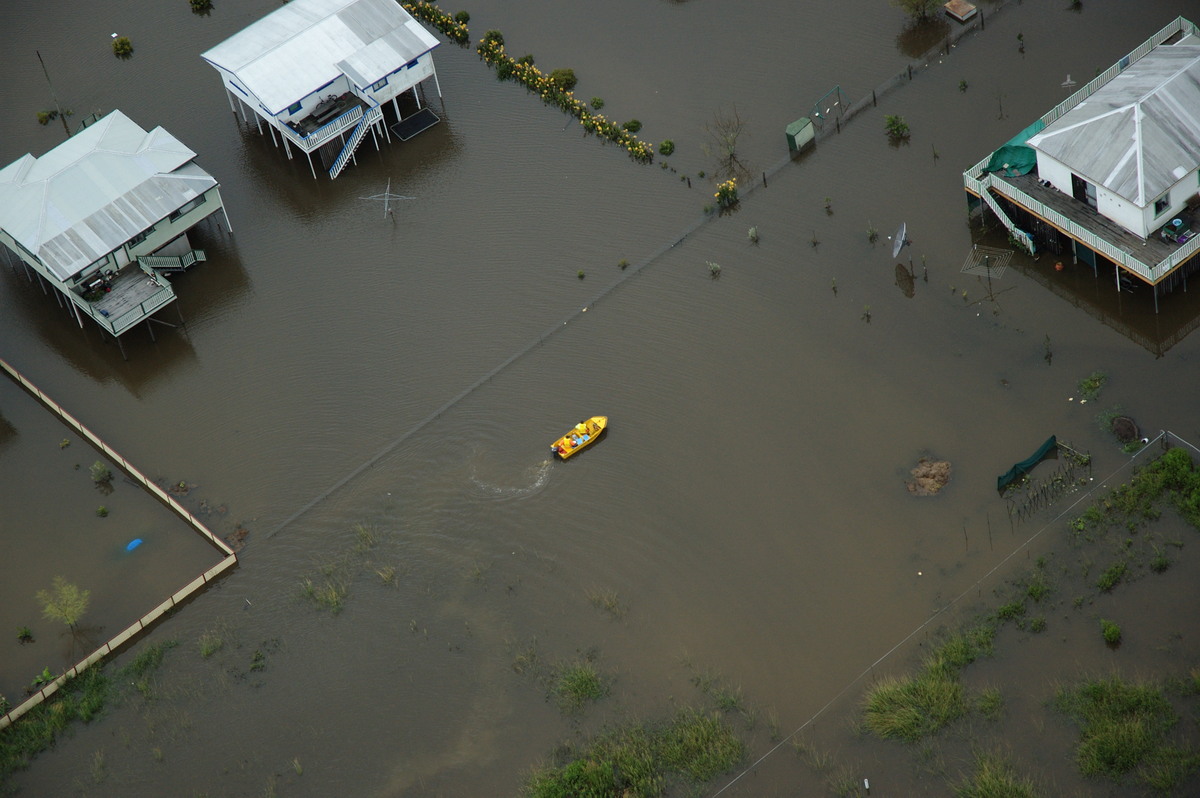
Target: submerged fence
(133,630)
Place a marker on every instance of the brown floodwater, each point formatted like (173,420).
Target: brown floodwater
(747,505)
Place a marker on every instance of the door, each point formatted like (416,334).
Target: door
(1083,191)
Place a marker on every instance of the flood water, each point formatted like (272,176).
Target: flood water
(747,506)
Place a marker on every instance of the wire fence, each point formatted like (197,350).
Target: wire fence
(1164,441)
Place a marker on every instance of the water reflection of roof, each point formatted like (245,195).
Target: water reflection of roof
(1139,134)
(95,191)
(307,44)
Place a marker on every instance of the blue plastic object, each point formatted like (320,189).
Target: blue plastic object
(133,544)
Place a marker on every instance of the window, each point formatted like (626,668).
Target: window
(380,84)
(1162,203)
(411,64)
(187,208)
(140,237)
(294,108)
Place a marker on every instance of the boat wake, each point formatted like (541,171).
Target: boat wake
(534,479)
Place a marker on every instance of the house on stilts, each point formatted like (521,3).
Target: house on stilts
(104,216)
(319,74)
(1110,178)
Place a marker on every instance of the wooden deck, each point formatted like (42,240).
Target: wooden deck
(1150,251)
(133,296)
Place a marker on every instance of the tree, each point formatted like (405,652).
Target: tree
(66,603)
(918,9)
(723,134)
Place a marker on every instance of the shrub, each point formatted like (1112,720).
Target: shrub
(1112,576)
(633,126)
(1111,632)
(666,148)
(896,127)
(555,90)
(1089,386)
(201,6)
(597,103)
(122,47)
(727,193)
(100,472)
(454,28)
(564,79)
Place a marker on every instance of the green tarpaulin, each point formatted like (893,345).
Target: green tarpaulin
(1026,465)
(1015,158)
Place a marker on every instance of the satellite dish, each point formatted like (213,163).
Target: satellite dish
(900,239)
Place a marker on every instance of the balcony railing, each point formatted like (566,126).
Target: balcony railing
(152,301)
(324,133)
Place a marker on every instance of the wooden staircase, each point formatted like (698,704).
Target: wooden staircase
(372,116)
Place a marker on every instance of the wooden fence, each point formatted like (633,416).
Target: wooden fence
(134,629)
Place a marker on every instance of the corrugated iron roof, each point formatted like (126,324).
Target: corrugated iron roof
(1139,133)
(95,191)
(306,44)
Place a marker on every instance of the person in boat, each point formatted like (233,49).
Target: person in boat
(561,449)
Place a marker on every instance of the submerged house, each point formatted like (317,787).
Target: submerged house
(319,74)
(102,216)
(1111,176)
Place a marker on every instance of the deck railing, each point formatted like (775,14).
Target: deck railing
(117,325)
(324,133)
(173,262)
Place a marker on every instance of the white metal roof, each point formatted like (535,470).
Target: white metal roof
(95,191)
(1139,134)
(306,44)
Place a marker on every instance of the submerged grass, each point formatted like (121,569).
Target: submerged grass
(609,602)
(575,684)
(995,777)
(910,708)
(1123,725)
(83,699)
(642,760)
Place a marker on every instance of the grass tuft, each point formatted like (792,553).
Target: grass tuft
(1123,724)
(639,759)
(995,777)
(576,684)
(608,601)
